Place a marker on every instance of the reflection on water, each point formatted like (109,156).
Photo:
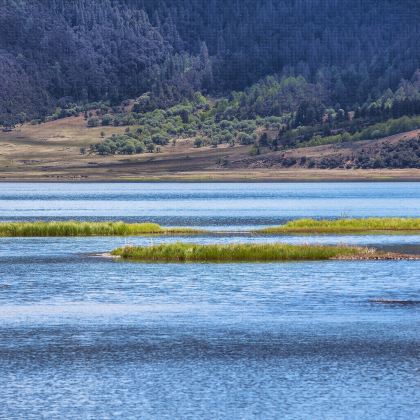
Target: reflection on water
(87,337)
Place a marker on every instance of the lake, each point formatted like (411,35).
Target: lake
(87,337)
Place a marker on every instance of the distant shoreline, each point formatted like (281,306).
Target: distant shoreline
(242,176)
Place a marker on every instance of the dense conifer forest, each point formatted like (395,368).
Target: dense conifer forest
(346,53)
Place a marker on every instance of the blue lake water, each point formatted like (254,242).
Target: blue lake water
(86,337)
(218,204)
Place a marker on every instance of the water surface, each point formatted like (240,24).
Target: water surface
(87,337)
(206,204)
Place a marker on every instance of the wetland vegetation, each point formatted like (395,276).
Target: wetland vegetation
(370,225)
(299,226)
(76,228)
(220,253)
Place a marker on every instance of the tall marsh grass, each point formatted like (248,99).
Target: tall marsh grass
(186,252)
(371,225)
(75,228)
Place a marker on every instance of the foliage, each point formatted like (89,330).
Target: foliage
(53,53)
(388,128)
(404,154)
(188,120)
(311,136)
(148,132)
(276,96)
(122,145)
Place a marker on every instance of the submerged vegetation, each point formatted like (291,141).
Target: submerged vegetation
(75,228)
(184,252)
(370,225)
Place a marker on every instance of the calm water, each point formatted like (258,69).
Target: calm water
(207,204)
(84,337)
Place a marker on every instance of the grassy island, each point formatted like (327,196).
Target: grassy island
(186,252)
(370,225)
(75,228)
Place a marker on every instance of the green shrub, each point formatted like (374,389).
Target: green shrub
(93,122)
(199,142)
(160,139)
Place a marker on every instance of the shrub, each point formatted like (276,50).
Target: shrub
(107,119)
(245,138)
(199,142)
(93,122)
(160,139)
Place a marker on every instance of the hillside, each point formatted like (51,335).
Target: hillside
(52,151)
(128,88)
(54,53)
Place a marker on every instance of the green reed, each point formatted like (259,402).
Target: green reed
(370,225)
(271,252)
(76,228)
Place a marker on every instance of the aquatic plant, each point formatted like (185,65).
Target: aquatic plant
(369,225)
(76,228)
(187,252)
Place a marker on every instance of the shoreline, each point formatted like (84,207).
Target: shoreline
(379,256)
(218,176)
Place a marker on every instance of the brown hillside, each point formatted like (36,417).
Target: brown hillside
(51,151)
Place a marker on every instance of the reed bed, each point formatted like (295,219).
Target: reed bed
(370,225)
(271,252)
(76,228)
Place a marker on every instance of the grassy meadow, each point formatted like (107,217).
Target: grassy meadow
(370,225)
(75,228)
(271,252)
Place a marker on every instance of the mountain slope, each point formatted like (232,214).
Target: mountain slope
(54,52)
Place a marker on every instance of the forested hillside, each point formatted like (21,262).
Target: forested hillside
(341,54)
